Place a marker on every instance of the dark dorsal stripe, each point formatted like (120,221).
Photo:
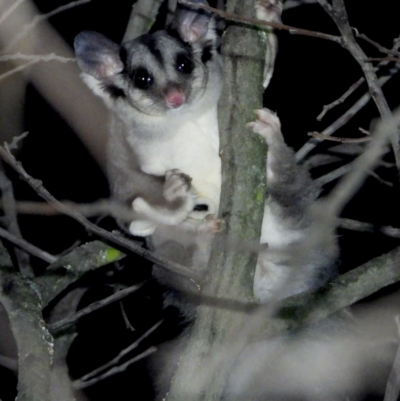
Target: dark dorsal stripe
(114,91)
(150,42)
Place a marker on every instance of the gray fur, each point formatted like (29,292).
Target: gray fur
(300,253)
(164,154)
(165,135)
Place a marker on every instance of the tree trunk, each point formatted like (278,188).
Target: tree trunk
(215,340)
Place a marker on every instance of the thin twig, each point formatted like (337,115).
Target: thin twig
(381,48)
(337,12)
(9,363)
(362,165)
(103,207)
(124,352)
(379,179)
(39,18)
(28,247)
(64,323)
(364,131)
(333,175)
(17,69)
(339,172)
(114,238)
(36,57)
(261,24)
(10,10)
(340,100)
(319,135)
(349,114)
(342,120)
(387,58)
(106,207)
(79,384)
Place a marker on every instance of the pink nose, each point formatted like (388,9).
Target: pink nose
(174,98)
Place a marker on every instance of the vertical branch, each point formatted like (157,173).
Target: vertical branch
(34,342)
(11,222)
(215,341)
(86,116)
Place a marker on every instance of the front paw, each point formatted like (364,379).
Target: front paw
(177,186)
(267,125)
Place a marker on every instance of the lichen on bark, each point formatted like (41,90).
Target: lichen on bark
(215,340)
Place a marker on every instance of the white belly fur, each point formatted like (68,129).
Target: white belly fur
(191,146)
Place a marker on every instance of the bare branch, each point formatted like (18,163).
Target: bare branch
(106,207)
(340,122)
(364,131)
(17,69)
(384,59)
(342,292)
(379,179)
(36,57)
(103,207)
(338,13)
(318,135)
(307,147)
(342,98)
(335,174)
(64,323)
(86,378)
(381,48)
(10,10)
(342,170)
(39,18)
(87,117)
(9,363)
(79,384)
(261,24)
(28,247)
(114,238)
(366,162)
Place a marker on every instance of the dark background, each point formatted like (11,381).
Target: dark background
(309,73)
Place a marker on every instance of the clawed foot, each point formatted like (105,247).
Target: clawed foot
(180,197)
(269,10)
(177,185)
(267,125)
